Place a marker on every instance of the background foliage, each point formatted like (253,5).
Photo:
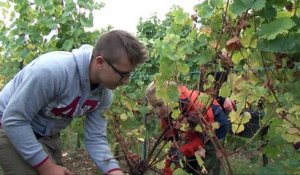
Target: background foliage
(256,43)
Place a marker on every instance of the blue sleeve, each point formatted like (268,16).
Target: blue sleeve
(32,89)
(96,139)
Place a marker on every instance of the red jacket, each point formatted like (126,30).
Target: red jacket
(193,104)
(192,138)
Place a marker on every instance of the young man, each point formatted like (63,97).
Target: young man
(44,97)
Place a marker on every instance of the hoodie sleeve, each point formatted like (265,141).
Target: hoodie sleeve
(33,89)
(96,139)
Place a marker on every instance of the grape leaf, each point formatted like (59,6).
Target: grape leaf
(279,26)
(204,10)
(240,6)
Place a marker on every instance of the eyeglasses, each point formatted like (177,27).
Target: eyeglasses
(123,75)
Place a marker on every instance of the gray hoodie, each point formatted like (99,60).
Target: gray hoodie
(46,96)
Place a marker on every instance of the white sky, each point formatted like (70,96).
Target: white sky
(125,14)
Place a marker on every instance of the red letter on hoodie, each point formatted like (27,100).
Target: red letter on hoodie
(67,111)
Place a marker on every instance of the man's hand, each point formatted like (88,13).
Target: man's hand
(116,172)
(49,168)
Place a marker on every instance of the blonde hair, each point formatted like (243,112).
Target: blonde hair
(150,90)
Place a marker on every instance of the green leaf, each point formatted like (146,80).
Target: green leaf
(68,44)
(49,7)
(225,90)
(204,98)
(240,6)
(24,53)
(271,151)
(204,10)
(185,47)
(176,113)
(180,171)
(268,13)
(249,37)
(86,22)
(279,26)
(180,17)
(201,40)
(172,92)
(182,48)
(239,56)
(282,43)
(183,68)
(217,3)
(204,56)
(171,40)
(166,67)
(258,5)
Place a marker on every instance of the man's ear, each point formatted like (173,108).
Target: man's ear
(99,61)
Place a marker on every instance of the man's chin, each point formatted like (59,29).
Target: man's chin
(113,87)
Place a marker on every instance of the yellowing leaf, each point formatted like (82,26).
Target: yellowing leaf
(199,159)
(206,30)
(216,125)
(198,128)
(210,133)
(123,117)
(237,128)
(1,82)
(295,109)
(246,116)
(183,127)
(141,139)
(30,46)
(279,110)
(160,165)
(128,105)
(293,131)
(292,138)
(204,98)
(234,116)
